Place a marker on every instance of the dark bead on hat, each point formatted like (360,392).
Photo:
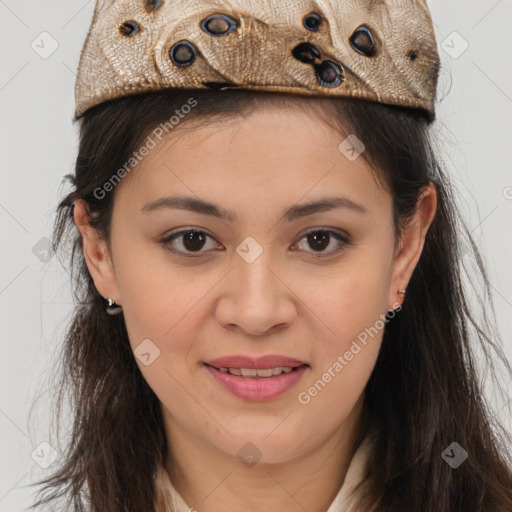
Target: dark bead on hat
(152,5)
(183,53)
(129,28)
(362,41)
(329,73)
(306,52)
(218,25)
(312,22)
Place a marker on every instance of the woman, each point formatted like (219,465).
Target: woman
(271,313)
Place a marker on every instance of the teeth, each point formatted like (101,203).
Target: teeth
(253,372)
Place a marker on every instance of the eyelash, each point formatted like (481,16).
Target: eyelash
(344,241)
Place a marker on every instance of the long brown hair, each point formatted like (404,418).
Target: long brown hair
(424,392)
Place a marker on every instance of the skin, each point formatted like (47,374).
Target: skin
(286,302)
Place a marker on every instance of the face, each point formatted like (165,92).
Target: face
(256,275)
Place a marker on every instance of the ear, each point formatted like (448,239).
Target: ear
(411,246)
(96,253)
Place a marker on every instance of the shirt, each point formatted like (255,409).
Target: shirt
(169,500)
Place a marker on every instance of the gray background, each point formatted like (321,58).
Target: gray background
(41,43)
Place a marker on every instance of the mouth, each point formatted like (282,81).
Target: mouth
(259,383)
(257,373)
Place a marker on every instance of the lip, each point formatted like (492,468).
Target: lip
(264,362)
(258,389)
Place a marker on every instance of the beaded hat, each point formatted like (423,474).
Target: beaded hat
(378,50)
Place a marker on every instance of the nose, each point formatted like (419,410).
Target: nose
(256,299)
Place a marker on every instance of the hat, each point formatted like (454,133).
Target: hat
(378,50)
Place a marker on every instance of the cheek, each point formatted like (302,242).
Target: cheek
(167,305)
(344,356)
(351,305)
(350,299)
(155,291)
(160,311)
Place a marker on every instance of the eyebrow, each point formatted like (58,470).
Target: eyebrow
(293,212)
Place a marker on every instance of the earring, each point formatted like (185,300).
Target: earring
(112,308)
(401,292)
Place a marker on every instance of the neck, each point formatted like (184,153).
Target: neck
(208,479)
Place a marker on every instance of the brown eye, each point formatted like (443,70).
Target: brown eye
(193,241)
(320,239)
(187,243)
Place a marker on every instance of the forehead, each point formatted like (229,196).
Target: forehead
(263,157)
